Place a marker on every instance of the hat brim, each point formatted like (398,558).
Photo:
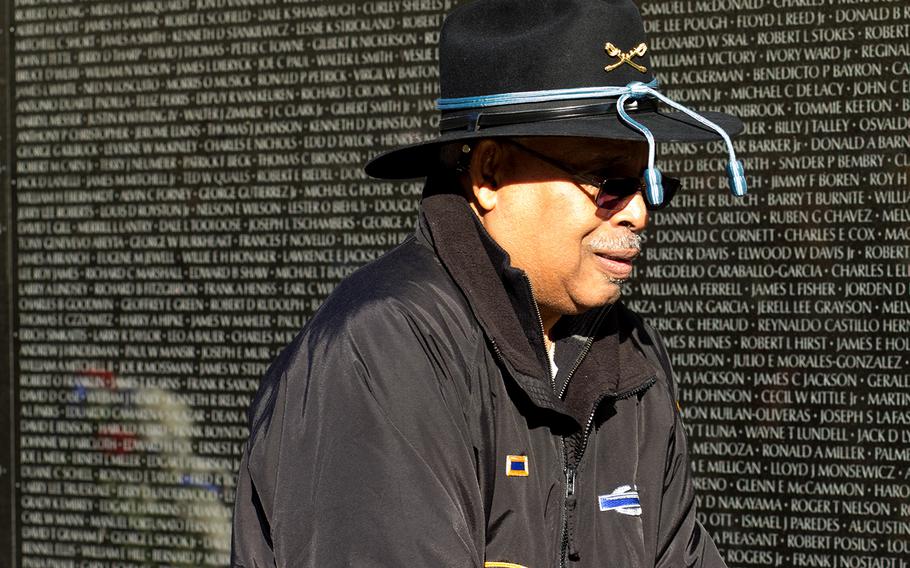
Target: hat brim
(420,159)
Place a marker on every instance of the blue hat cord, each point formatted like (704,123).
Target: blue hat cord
(654,192)
(736,178)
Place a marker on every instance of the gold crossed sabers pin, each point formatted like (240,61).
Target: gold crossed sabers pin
(614,51)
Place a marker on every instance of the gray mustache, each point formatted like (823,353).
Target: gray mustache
(623,241)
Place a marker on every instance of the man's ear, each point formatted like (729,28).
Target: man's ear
(486,171)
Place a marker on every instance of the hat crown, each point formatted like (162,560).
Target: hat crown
(508,46)
(579,68)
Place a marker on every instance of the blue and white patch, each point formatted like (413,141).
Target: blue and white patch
(623,500)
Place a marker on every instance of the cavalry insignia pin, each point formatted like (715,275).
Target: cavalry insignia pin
(517,466)
(625,57)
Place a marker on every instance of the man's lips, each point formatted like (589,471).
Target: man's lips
(617,263)
(618,254)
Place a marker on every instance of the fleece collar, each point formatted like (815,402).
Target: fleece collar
(500,298)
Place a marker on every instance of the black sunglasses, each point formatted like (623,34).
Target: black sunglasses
(613,194)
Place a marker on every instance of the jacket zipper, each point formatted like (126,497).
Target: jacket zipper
(572,470)
(497,350)
(570,495)
(584,351)
(629,394)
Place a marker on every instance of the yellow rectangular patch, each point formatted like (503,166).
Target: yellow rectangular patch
(501,565)
(517,466)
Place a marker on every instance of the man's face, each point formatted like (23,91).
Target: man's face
(575,253)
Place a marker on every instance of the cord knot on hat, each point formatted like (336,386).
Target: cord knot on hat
(637,89)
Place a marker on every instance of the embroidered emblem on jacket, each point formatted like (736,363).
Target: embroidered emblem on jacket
(623,500)
(517,466)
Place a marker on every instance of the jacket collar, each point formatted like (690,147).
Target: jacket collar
(598,346)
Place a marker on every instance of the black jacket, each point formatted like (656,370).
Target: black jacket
(382,435)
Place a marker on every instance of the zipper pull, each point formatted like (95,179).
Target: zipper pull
(570,549)
(570,486)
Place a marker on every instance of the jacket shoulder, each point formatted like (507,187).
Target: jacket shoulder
(392,320)
(376,374)
(408,281)
(410,272)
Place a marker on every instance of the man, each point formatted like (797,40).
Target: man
(479,396)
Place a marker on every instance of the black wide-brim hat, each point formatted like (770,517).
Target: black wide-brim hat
(515,68)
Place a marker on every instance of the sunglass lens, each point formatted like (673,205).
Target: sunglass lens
(615,193)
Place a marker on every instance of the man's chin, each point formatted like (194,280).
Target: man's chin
(609,293)
(614,296)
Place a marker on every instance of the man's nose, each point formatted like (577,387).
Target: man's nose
(634,216)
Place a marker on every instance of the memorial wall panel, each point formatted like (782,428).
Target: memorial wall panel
(8,422)
(787,312)
(188,188)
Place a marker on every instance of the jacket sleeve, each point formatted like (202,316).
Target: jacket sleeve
(360,454)
(682,540)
